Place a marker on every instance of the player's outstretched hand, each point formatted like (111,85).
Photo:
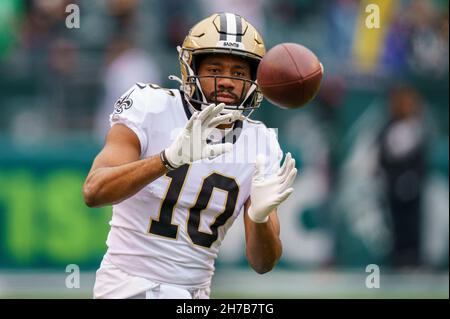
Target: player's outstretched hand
(190,145)
(270,191)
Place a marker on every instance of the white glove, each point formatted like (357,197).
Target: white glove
(190,145)
(267,193)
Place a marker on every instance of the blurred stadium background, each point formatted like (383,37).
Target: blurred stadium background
(372,148)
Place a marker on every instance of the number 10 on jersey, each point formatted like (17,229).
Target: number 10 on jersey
(163,226)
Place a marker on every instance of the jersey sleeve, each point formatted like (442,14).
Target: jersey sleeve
(131,110)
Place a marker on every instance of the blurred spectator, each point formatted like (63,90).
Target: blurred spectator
(341,20)
(402,158)
(123,13)
(417,40)
(396,45)
(180,21)
(44,21)
(429,39)
(126,65)
(62,59)
(329,103)
(60,84)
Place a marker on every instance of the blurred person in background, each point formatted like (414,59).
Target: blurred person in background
(126,64)
(417,39)
(429,37)
(124,14)
(175,28)
(43,22)
(46,61)
(402,146)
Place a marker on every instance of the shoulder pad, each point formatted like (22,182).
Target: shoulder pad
(154,97)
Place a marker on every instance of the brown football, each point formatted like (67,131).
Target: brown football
(289,75)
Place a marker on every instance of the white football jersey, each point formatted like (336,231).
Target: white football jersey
(171,230)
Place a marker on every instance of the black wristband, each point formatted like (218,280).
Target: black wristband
(165,162)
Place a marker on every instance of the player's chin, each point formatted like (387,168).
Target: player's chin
(226,101)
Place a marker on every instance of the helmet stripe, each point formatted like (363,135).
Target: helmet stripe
(231,27)
(238,29)
(223,27)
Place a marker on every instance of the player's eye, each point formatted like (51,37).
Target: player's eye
(214,70)
(239,74)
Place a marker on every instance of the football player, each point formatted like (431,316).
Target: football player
(179,166)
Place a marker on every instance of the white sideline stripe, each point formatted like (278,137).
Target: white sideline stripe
(294,284)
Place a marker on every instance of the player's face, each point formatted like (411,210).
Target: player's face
(229,91)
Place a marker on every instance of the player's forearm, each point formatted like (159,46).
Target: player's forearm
(110,185)
(263,246)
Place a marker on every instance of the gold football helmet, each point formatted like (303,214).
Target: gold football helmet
(221,33)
